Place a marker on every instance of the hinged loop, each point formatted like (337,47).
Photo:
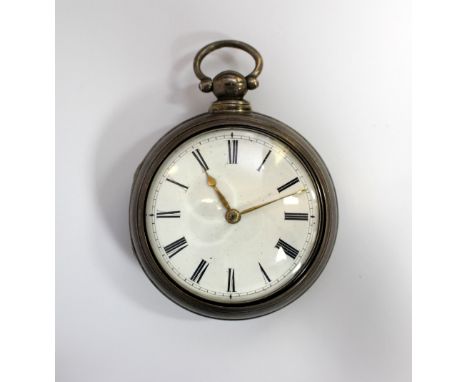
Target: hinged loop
(203,52)
(229,86)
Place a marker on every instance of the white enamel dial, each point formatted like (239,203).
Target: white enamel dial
(188,231)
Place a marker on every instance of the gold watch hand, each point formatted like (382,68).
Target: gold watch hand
(271,201)
(212,184)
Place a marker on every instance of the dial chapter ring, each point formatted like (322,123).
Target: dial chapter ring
(321,251)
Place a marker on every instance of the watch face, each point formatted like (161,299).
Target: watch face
(232,215)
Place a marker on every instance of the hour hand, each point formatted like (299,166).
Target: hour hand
(212,184)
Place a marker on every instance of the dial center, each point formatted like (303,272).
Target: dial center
(233,216)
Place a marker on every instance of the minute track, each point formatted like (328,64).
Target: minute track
(239,281)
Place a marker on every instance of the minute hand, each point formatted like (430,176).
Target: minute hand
(247,210)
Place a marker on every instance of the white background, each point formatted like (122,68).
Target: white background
(339,73)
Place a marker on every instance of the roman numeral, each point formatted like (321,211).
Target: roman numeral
(288,249)
(231,282)
(177,183)
(296,216)
(168,214)
(232,147)
(264,160)
(200,159)
(175,247)
(267,278)
(200,271)
(287,185)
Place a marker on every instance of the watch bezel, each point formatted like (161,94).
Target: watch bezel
(326,235)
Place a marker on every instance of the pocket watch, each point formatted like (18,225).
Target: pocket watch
(233,214)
